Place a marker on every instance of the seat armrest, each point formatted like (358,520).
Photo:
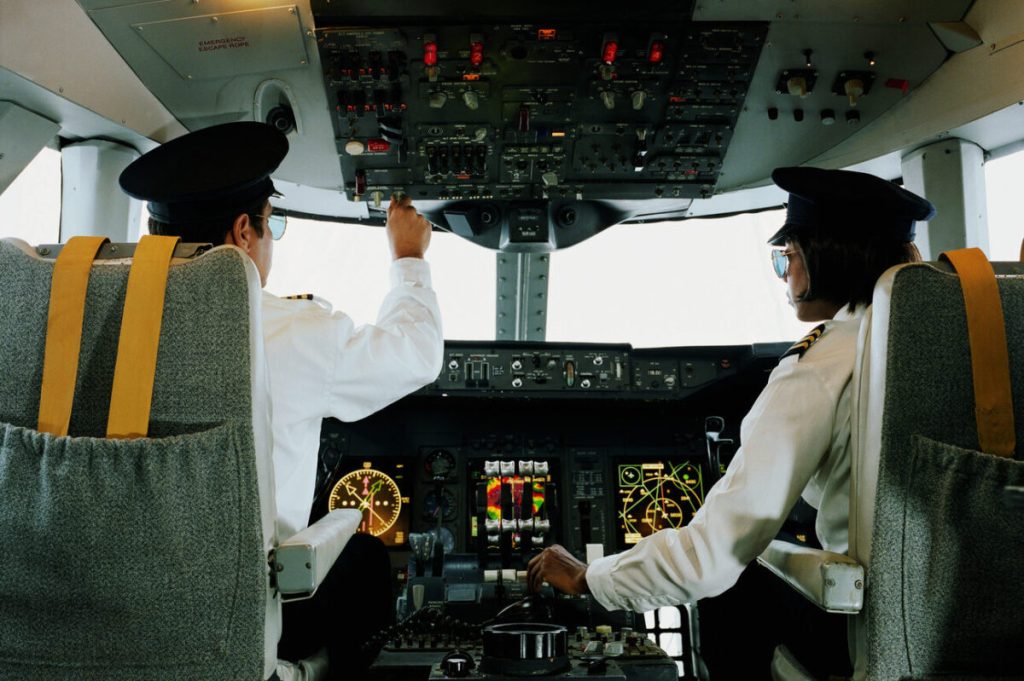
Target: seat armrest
(832,581)
(301,562)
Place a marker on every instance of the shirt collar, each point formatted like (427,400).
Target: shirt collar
(845,314)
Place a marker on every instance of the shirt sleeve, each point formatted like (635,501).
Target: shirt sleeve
(785,436)
(377,364)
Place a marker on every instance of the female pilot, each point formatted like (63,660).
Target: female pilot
(843,230)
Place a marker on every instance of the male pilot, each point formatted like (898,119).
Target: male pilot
(214,186)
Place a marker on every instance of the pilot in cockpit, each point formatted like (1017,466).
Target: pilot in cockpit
(842,231)
(213,186)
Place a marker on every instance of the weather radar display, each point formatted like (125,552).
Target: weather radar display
(655,496)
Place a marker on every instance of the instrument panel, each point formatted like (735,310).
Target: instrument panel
(499,470)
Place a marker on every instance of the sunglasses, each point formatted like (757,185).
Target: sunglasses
(780,261)
(277,223)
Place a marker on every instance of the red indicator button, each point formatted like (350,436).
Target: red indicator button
(377,145)
(901,84)
(476,53)
(608,52)
(430,54)
(656,53)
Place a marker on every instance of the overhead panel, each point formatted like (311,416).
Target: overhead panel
(210,62)
(819,84)
(836,11)
(225,44)
(522,126)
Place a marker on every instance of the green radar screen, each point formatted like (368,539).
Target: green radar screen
(656,495)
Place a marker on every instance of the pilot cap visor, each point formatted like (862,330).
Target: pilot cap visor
(216,172)
(858,206)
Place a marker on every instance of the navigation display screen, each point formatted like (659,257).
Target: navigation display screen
(655,495)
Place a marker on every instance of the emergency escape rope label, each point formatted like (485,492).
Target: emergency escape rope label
(223,44)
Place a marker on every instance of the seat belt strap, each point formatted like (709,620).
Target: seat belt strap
(68,288)
(990,362)
(135,370)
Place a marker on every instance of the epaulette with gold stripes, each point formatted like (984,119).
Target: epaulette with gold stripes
(300,296)
(805,343)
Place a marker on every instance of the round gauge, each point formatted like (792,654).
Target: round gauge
(372,492)
(447,538)
(445,506)
(629,475)
(439,464)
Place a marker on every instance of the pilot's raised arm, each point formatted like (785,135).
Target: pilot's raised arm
(214,186)
(842,231)
(322,365)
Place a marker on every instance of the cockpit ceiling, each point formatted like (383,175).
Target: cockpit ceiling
(651,109)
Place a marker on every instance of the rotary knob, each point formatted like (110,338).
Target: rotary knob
(457,664)
(354,147)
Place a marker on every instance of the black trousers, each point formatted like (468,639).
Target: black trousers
(354,602)
(740,629)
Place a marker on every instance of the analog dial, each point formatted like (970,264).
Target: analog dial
(372,492)
(439,464)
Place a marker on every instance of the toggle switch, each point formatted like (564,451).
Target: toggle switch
(360,187)
(608,99)
(797,86)
(471,99)
(638,99)
(437,100)
(854,89)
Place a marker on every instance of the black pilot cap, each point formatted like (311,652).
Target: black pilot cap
(857,205)
(212,173)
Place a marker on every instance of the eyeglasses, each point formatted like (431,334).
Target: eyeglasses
(277,223)
(780,261)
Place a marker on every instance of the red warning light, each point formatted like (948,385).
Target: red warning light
(656,53)
(901,84)
(378,145)
(608,52)
(547,33)
(430,54)
(476,53)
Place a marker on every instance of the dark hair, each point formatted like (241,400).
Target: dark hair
(843,270)
(209,231)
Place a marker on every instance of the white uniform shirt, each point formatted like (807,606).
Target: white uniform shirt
(795,442)
(322,365)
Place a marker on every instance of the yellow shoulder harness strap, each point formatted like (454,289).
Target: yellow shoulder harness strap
(64,332)
(135,371)
(990,363)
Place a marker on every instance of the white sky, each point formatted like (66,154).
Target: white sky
(698,282)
